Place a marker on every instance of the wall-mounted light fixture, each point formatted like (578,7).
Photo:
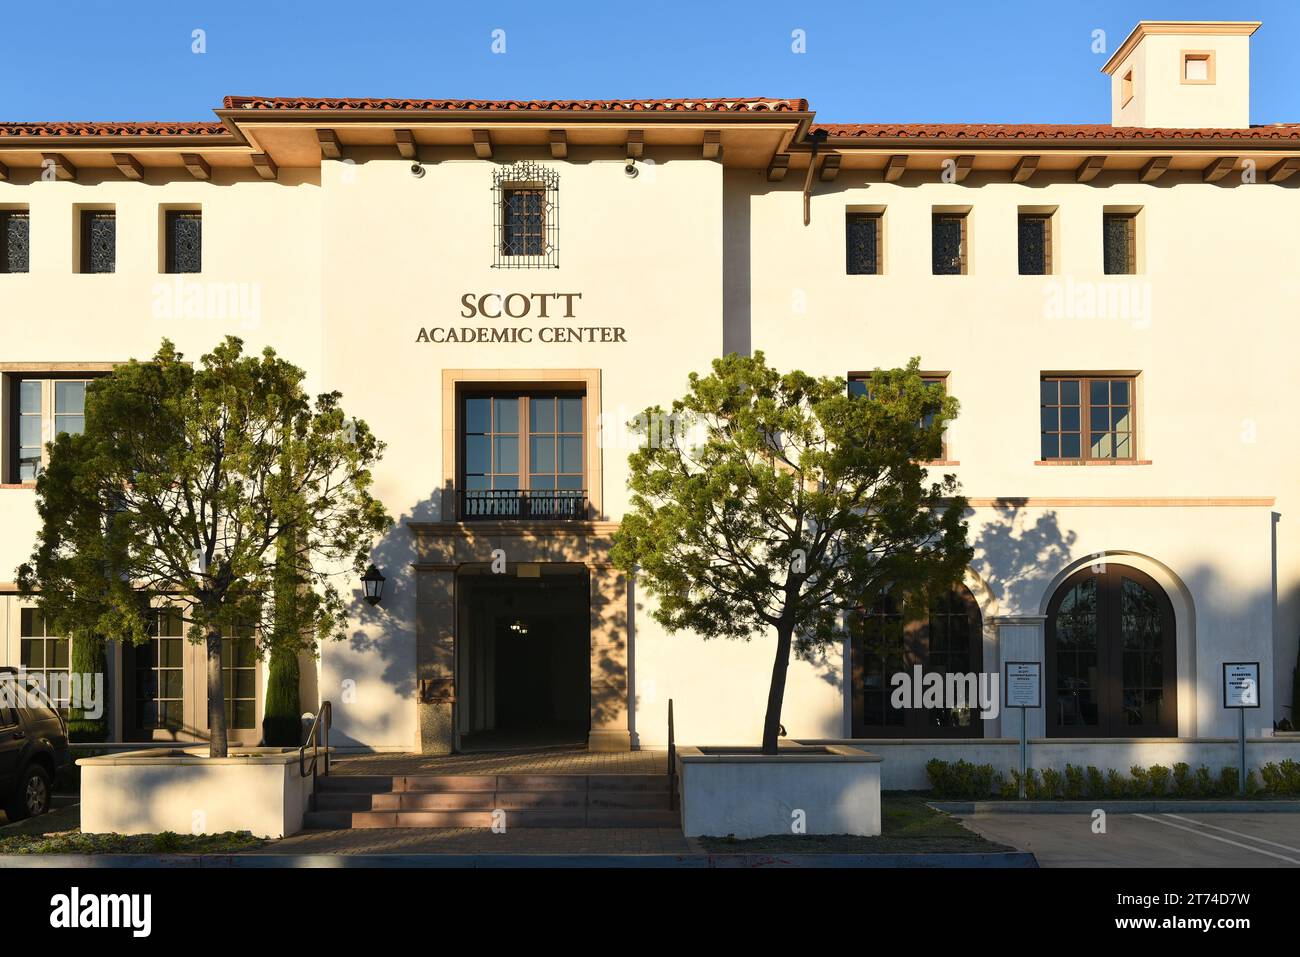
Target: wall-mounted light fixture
(373,582)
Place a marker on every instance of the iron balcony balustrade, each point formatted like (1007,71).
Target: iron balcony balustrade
(495,505)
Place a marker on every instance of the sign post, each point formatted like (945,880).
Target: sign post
(1241,691)
(1023,688)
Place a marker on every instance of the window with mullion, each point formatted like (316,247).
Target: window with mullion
(522,446)
(43,408)
(160,673)
(43,656)
(1082,418)
(239,674)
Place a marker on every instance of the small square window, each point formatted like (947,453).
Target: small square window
(1198,66)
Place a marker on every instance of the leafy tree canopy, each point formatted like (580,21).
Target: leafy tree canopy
(778,501)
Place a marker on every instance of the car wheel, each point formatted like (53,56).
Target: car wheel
(32,798)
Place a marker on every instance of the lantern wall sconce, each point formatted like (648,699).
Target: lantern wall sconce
(373,583)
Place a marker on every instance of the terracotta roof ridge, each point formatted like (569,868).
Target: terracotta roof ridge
(113,128)
(629,104)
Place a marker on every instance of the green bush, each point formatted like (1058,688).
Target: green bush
(1281,778)
(1204,786)
(1096,783)
(1052,786)
(1033,790)
(1158,775)
(1074,785)
(1183,783)
(1116,786)
(1140,782)
(1227,782)
(963,780)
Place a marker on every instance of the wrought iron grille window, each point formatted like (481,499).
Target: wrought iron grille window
(98,240)
(15,240)
(948,244)
(1119,242)
(184,240)
(862,233)
(1085,418)
(526,197)
(1035,244)
(523,456)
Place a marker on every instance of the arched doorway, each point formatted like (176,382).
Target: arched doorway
(1110,656)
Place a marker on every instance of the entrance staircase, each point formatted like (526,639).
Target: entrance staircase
(485,800)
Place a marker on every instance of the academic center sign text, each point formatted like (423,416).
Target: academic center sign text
(549,317)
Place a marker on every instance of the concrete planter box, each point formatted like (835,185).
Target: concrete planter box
(181,789)
(741,792)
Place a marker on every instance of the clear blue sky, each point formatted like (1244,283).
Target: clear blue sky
(951,60)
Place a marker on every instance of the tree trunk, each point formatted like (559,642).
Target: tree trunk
(217,744)
(776,693)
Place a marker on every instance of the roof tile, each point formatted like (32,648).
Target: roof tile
(1041,131)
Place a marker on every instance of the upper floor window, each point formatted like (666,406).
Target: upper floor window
(1034,243)
(523,455)
(1119,243)
(98,240)
(527,203)
(1198,66)
(864,243)
(15,240)
(860,385)
(948,244)
(183,235)
(42,408)
(1087,418)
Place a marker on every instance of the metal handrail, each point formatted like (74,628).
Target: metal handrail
(672,759)
(318,735)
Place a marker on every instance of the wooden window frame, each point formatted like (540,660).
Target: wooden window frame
(484,390)
(47,642)
(916,650)
(1131,258)
(964,218)
(48,416)
(877,218)
(1085,408)
(132,670)
(1048,219)
(1110,663)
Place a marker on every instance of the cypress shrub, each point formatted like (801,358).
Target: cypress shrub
(88,659)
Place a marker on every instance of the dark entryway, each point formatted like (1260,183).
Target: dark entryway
(523,659)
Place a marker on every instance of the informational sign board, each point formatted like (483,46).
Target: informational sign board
(1023,684)
(1241,684)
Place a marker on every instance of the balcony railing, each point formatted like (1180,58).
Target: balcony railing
(538,505)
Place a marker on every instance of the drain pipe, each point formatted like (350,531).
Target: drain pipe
(817,138)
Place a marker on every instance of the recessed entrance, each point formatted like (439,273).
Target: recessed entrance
(523,659)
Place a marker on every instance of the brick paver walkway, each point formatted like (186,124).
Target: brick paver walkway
(480,840)
(558,761)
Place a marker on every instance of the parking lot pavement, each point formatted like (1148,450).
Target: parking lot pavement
(1148,840)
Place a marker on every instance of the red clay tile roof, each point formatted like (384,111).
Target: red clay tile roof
(182,128)
(1037,131)
(723,105)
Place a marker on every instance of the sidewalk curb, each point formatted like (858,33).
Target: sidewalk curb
(1116,807)
(1014,859)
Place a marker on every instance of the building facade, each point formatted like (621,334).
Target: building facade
(496,287)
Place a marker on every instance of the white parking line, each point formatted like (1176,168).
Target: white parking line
(1214,837)
(1249,837)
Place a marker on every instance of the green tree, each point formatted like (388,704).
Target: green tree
(779,502)
(184,485)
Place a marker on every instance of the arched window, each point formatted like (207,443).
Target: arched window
(947,641)
(1110,656)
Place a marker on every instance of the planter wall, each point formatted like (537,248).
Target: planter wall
(904,759)
(182,790)
(744,793)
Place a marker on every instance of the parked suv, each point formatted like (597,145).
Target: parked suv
(33,747)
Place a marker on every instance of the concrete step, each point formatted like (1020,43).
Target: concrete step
(518,818)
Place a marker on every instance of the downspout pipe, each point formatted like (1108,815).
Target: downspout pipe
(817,139)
